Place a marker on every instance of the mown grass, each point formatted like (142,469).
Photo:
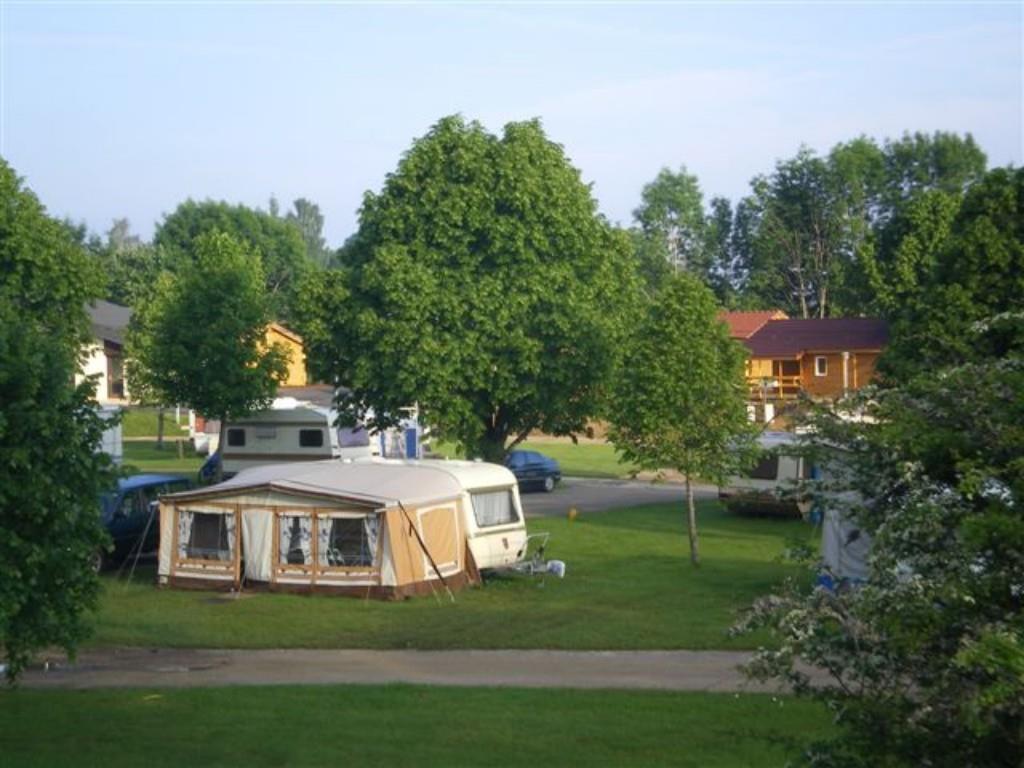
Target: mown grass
(143,456)
(584,459)
(629,586)
(401,725)
(143,422)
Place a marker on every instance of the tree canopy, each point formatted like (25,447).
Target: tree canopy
(482,284)
(276,244)
(925,660)
(200,340)
(51,474)
(680,395)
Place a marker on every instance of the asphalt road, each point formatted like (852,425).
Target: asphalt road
(595,495)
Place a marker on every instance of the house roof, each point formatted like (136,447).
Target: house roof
(288,333)
(743,325)
(109,321)
(792,338)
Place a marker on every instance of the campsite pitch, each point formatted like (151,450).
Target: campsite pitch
(629,586)
(400,725)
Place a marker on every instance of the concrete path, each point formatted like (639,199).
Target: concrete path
(598,495)
(153,668)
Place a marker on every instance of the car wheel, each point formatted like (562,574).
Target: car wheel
(549,484)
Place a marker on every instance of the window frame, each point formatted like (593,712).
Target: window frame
(318,431)
(821,366)
(232,433)
(517,515)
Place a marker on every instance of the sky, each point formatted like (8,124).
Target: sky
(123,109)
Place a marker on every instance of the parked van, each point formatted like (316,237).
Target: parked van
(771,487)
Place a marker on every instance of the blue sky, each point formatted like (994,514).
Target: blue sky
(126,109)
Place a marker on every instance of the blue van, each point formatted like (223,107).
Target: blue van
(129,514)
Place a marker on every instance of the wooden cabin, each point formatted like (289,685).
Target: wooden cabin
(822,357)
(292,342)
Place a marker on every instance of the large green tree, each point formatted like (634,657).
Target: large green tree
(483,285)
(680,395)
(199,340)
(276,244)
(51,474)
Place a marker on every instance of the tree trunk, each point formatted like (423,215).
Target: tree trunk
(691,523)
(491,448)
(160,429)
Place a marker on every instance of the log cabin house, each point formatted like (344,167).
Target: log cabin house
(821,357)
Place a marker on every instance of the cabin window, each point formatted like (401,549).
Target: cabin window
(236,437)
(311,438)
(821,366)
(493,508)
(295,544)
(205,535)
(115,370)
(348,541)
(767,468)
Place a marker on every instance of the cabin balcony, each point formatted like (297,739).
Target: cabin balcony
(773,388)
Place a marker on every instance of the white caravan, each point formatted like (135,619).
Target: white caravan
(772,486)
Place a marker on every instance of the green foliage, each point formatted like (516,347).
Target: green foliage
(199,341)
(680,399)
(276,244)
(976,277)
(50,474)
(829,235)
(926,657)
(679,396)
(482,284)
(306,217)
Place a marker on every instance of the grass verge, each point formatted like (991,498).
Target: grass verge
(629,586)
(400,725)
(144,456)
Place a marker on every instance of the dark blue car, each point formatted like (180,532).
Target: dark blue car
(129,514)
(534,471)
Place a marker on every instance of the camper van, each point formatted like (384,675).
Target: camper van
(772,486)
(283,434)
(372,527)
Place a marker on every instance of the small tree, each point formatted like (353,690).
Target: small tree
(201,340)
(679,396)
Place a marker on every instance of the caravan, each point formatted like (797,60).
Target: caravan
(772,487)
(372,527)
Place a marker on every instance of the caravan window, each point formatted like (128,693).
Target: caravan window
(348,541)
(311,438)
(208,536)
(236,437)
(767,468)
(493,508)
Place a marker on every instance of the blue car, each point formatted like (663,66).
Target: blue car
(533,470)
(129,514)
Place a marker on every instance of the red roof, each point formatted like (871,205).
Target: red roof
(792,338)
(743,325)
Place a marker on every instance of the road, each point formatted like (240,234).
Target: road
(178,668)
(596,495)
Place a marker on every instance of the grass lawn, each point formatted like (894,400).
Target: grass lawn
(142,422)
(144,456)
(400,725)
(629,586)
(585,459)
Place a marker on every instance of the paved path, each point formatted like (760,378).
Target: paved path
(597,495)
(151,667)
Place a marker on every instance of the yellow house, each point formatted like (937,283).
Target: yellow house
(291,341)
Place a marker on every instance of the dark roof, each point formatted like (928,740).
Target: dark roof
(743,325)
(109,321)
(792,338)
